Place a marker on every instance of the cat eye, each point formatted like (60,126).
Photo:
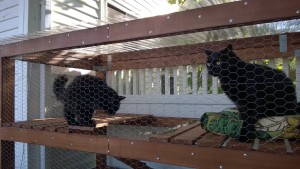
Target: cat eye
(218,62)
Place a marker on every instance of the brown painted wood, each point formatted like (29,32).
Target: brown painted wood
(88,143)
(7,109)
(234,144)
(256,11)
(276,146)
(134,164)
(211,140)
(199,157)
(79,38)
(189,137)
(169,135)
(213,17)
(265,47)
(169,121)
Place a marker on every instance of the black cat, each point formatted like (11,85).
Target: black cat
(83,96)
(258,91)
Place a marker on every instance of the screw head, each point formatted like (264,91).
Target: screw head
(245,3)
(298,11)
(199,16)
(230,20)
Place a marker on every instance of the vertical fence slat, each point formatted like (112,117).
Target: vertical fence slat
(148,81)
(127,81)
(134,82)
(175,74)
(109,78)
(114,80)
(285,66)
(167,81)
(272,63)
(215,85)
(194,79)
(180,80)
(120,82)
(141,81)
(204,80)
(158,81)
(184,80)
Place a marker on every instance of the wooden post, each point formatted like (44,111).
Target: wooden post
(7,109)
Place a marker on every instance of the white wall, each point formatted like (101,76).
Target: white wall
(12,18)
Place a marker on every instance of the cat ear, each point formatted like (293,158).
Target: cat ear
(121,98)
(208,52)
(229,47)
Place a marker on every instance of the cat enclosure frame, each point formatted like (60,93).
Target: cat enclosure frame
(53,50)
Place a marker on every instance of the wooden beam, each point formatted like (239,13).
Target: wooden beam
(199,157)
(80,142)
(213,17)
(201,19)
(7,109)
(254,48)
(134,164)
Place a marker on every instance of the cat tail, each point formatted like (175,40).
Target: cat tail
(59,87)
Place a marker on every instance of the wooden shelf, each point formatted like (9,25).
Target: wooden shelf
(186,145)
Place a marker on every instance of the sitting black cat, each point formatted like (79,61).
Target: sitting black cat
(83,96)
(258,91)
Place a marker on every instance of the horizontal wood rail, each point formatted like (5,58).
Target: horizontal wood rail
(254,48)
(80,142)
(208,18)
(182,155)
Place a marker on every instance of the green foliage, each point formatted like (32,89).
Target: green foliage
(176,1)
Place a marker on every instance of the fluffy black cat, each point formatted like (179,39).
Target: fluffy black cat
(257,91)
(83,96)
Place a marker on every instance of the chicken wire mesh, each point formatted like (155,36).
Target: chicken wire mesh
(235,93)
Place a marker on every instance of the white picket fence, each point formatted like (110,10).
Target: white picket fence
(172,91)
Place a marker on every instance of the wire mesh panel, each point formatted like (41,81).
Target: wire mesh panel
(179,101)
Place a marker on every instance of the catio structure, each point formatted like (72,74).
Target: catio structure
(158,63)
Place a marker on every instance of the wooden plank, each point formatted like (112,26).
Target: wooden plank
(198,157)
(235,144)
(183,22)
(295,144)
(189,20)
(211,140)
(189,137)
(169,121)
(88,143)
(276,146)
(134,164)
(168,136)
